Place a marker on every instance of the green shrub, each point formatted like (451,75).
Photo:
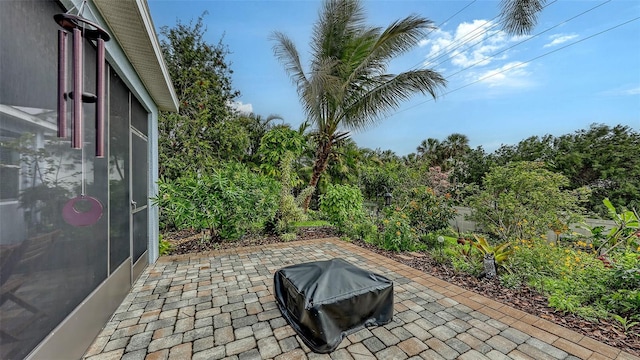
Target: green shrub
(429,212)
(164,246)
(575,281)
(342,204)
(523,200)
(229,202)
(288,236)
(289,210)
(397,234)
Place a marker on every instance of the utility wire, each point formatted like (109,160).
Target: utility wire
(456,45)
(527,39)
(439,25)
(522,63)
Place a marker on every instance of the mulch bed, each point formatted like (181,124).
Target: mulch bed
(524,298)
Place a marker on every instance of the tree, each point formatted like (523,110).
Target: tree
(430,150)
(606,160)
(274,148)
(455,145)
(347,86)
(257,127)
(524,200)
(189,139)
(469,172)
(601,157)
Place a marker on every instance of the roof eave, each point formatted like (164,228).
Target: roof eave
(131,25)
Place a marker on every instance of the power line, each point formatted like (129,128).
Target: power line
(442,23)
(527,39)
(522,63)
(449,50)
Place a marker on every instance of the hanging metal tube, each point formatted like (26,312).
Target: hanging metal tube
(76,136)
(100,99)
(62,83)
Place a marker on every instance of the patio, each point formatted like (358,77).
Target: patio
(220,305)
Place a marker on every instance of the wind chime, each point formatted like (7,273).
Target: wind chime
(79,29)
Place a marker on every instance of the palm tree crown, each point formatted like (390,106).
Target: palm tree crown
(347,87)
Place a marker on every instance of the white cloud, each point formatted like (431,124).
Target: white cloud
(558,39)
(511,75)
(634,91)
(623,91)
(242,108)
(471,44)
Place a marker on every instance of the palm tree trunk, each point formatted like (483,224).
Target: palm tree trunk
(319,166)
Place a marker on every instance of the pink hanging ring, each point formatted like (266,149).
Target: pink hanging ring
(73,217)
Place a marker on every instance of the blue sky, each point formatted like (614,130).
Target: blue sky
(580,65)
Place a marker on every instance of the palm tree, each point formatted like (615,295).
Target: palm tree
(430,150)
(519,17)
(347,87)
(456,145)
(257,126)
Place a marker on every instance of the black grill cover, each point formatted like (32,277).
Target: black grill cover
(325,301)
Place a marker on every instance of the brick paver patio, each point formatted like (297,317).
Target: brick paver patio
(221,305)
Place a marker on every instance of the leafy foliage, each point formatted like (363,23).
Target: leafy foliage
(203,131)
(275,146)
(602,158)
(289,211)
(427,211)
(229,202)
(164,246)
(397,233)
(500,252)
(524,200)
(347,86)
(625,234)
(342,204)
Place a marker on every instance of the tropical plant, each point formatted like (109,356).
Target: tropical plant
(625,234)
(256,126)
(289,211)
(519,17)
(347,86)
(397,233)
(499,252)
(524,200)
(342,204)
(427,211)
(228,202)
(274,147)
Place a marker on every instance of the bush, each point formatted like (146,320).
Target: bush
(575,281)
(397,234)
(289,210)
(429,212)
(164,246)
(229,202)
(342,204)
(523,200)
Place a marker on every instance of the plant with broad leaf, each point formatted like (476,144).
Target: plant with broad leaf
(624,235)
(500,252)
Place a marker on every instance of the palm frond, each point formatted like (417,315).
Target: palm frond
(372,106)
(287,53)
(519,17)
